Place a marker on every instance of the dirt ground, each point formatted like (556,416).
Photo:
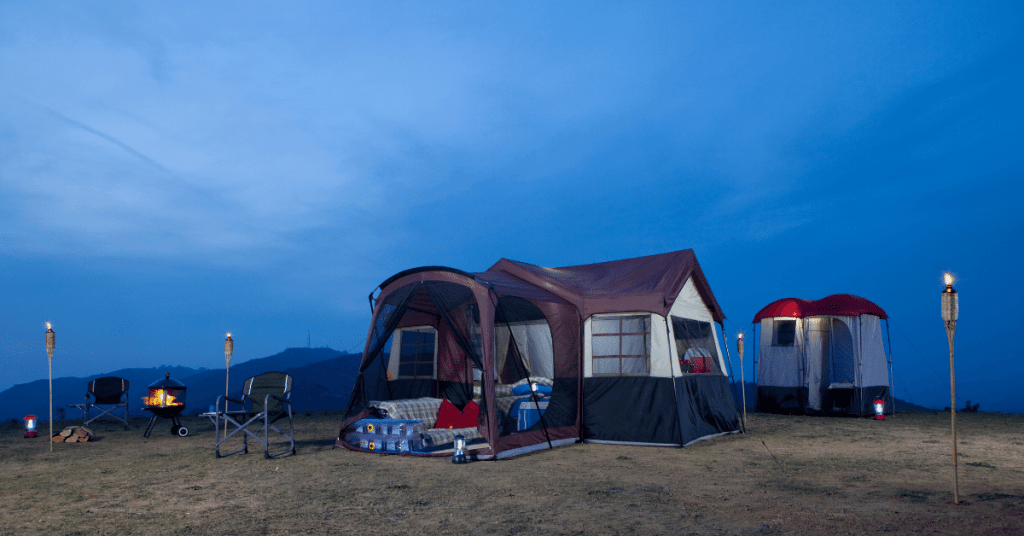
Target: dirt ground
(786,475)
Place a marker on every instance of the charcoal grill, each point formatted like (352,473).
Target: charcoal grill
(166,399)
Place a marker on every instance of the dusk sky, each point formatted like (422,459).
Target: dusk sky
(170,172)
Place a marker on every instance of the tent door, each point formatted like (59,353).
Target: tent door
(842,366)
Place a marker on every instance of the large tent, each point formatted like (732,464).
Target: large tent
(821,356)
(623,351)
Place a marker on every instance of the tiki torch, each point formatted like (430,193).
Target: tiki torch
(950,312)
(229,348)
(51,343)
(743,382)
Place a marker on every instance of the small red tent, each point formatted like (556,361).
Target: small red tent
(821,355)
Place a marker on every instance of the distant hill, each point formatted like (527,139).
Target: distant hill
(323,381)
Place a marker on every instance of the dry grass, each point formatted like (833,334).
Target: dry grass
(828,476)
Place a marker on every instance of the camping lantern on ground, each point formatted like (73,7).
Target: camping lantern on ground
(460,450)
(166,399)
(30,425)
(950,312)
(879,409)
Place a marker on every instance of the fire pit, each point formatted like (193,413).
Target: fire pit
(166,399)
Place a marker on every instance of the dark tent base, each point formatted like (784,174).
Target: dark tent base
(793,401)
(658,411)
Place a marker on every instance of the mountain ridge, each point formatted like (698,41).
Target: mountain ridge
(323,380)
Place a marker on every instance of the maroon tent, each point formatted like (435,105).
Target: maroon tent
(622,351)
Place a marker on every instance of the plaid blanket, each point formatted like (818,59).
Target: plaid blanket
(442,436)
(415,409)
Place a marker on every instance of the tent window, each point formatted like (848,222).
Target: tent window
(523,344)
(621,345)
(785,333)
(695,346)
(416,357)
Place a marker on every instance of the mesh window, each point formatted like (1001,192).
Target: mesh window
(416,357)
(695,346)
(784,333)
(621,345)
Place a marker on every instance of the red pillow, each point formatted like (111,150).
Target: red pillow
(449,416)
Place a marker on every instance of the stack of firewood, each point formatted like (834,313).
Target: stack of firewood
(73,434)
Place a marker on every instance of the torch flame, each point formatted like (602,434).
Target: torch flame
(740,336)
(949,279)
(49,325)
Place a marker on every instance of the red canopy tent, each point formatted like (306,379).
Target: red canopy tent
(821,355)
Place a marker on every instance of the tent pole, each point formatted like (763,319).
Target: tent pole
(860,359)
(732,378)
(753,359)
(888,359)
(670,333)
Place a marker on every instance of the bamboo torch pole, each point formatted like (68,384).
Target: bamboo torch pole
(950,312)
(51,343)
(743,381)
(229,348)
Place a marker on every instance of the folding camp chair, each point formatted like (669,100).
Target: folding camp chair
(107,391)
(265,399)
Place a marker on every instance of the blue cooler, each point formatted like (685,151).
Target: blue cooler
(528,412)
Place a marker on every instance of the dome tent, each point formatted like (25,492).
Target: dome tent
(825,355)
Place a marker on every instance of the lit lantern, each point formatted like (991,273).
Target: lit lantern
(460,450)
(879,409)
(30,425)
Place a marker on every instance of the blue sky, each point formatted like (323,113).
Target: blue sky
(171,172)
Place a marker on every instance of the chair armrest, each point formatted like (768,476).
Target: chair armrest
(284,400)
(227,399)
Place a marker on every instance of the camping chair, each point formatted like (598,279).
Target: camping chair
(265,399)
(107,391)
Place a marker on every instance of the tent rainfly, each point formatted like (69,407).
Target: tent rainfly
(520,358)
(821,356)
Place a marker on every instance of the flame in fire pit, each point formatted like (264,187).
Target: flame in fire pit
(161,397)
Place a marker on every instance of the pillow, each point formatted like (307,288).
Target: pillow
(524,389)
(449,416)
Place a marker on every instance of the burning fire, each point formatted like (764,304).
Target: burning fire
(949,279)
(161,397)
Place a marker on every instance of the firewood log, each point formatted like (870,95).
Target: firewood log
(81,432)
(66,432)
(58,438)
(71,439)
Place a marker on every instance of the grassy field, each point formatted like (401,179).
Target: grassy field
(786,475)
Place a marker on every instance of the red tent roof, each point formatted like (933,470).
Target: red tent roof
(836,304)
